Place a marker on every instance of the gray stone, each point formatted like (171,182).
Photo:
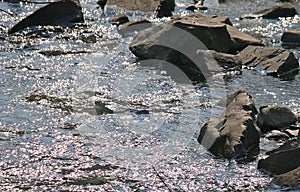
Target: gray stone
(62,12)
(277,62)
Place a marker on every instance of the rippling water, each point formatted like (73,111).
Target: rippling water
(54,137)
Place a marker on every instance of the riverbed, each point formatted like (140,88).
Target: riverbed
(78,113)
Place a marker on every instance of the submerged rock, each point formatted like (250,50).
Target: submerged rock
(61,12)
(276,62)
(275,118)
(290,179)
(282,160)
(165,8)
(234,134)
(291,38)
(282,10)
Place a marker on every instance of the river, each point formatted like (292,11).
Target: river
(53,137)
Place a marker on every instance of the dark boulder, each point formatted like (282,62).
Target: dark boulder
(183,50)
(212,34)
(282,160)
(275,118)
(62,12)
(165,8)
(119,19)
(291,38)
(234,134)
(282,10)
(210,30)
(290,179)
(277,62)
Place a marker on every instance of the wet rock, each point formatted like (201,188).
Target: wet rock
(290,179)
(162,43)
(275,118)
(212,33)
(136,5)
(165,8)
(240,40)
(282,10)
(234,134)
(62,12)
(291,38)
(281,161)
(133,26)
(119,19)
(276,62)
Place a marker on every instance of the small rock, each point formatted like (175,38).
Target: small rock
(165,8)
(119,19)
(276,62)
(282,10)
(290,179)
(227,61)
(275,118)
(61,12)
(291,38)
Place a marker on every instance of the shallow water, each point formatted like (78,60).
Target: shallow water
(53,137)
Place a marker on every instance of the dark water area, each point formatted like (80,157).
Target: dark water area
(53,137)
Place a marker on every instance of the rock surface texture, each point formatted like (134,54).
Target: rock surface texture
(234,134)
(275,61)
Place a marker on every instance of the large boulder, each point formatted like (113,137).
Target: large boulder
(205,29)
(290,179)
(282,160)
(291,38)
(275,61)
(212,33)
(183,50)
(61,12)
(234,134)
(282,10)
(275,118)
